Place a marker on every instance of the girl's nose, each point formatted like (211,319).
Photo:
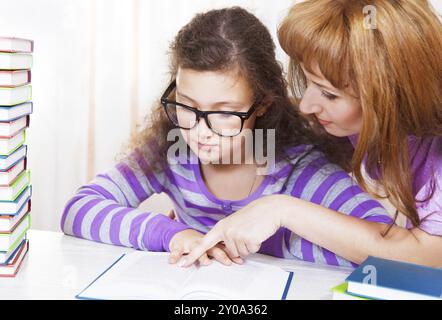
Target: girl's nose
(310,102)
(202,129)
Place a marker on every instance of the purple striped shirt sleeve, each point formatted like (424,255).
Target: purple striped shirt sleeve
(328,185)
(106,209)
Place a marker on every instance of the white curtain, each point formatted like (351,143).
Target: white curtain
(98,67)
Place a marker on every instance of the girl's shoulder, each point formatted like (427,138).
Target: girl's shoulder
(303,157)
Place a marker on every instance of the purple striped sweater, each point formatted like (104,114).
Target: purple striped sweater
(106,209)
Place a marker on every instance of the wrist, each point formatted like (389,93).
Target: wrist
(285,209)
(177,237)
(174,234)
(160,231)
(174,239)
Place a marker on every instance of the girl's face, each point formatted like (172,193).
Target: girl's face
(214,91)
(339,112)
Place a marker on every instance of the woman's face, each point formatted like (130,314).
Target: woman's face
(339,112)
(214,91)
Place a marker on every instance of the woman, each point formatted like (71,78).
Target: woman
(380,85)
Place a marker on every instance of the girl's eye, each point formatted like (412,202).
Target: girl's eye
(328,95)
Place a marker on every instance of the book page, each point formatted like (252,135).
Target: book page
(149,275)
(140,275)
(250,280)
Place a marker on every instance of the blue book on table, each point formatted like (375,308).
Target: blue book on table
(393,280)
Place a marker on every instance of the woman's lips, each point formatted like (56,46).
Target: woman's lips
(323,122)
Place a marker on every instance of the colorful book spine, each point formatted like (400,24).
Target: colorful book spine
(15,184)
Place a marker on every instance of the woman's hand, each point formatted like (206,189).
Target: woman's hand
(242,232)
(184,241)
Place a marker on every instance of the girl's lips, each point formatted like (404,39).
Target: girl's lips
(205,146)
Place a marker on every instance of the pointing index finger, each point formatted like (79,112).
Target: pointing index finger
(208,241)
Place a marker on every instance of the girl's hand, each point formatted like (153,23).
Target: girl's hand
(184,241)
(242,232)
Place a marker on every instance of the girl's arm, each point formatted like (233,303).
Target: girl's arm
(105,210)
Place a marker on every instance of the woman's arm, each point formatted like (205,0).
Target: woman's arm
(356,239)
(352,238)
(105,210)
(324,217)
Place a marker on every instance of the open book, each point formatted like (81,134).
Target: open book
(148,275)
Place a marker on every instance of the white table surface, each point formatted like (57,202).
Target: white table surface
(59,267)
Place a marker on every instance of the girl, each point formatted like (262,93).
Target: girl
(225,82)
(372,74)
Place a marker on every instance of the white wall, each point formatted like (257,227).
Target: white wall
(437,4)
(98,66)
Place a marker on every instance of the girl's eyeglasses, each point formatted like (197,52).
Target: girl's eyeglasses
(223,123)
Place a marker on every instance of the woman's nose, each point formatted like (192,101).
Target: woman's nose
(310,102)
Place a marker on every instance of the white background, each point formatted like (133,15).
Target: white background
(98,67)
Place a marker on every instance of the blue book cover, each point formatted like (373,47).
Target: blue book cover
(386,279)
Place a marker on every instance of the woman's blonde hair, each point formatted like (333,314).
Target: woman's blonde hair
(390,54)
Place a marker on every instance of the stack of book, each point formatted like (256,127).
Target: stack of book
(381,279)
(15,188)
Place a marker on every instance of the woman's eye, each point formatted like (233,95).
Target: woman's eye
(328,95)
(188,105)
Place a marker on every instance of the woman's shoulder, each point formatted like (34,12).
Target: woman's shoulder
(426,156)
(428,146)
(435,153)
(426,159)
(426,163)
(437,147)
